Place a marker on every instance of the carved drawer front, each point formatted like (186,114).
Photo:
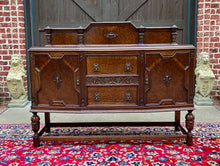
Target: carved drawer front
(112,95)
(112,64)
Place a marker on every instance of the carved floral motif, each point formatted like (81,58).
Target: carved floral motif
(112,80)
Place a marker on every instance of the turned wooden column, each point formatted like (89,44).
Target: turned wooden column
(35,121)
(189,125)
(47,122)
(177,120)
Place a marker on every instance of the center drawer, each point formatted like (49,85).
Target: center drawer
(102,64)
(112,95)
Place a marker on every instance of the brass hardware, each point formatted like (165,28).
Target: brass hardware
(57,80)
(96,67)
(111,35)
(77,81)
(128,96)
(127,66)
(167,78)
(96,97)
(146,80)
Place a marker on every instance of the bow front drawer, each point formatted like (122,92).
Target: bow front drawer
(112,64)
(112,95)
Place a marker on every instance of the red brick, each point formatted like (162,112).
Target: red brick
(6,67)
(207,22)
(214,39)
(21,19)
(23,51)
(213,60)
(200,11)
(3,73)
(206,27)
(216,16)
(20,13)
(207,5)
(207,16)
(14,13)
(215,5)
(2,30)
(8,30)
(13,7)
(21,8)
(7,19)
(212,22)
(3,63)
(207,11)
(20,2)
(217,45)
(6,57)
(15,41)
(5,2)
(21,35)
(21,30)
(21,24)
(5,24)
(14,19)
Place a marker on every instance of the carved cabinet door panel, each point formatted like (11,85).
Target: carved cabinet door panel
(58,79)
(167,76)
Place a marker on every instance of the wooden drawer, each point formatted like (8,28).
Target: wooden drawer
(112,65)
(112,95)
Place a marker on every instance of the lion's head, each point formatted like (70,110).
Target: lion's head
(17,66)
(203,63)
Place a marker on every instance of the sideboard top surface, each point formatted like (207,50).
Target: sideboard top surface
(116,47)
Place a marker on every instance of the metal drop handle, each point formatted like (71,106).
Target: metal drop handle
(96,97)
(127,66)
(146,80)
(96,67)
(128,96)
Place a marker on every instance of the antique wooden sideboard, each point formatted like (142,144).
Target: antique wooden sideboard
(112,68)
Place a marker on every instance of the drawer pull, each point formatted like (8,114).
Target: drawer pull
(96,67)
(146,80)
(77,81)
(128,96)
(127,66)
(96,97)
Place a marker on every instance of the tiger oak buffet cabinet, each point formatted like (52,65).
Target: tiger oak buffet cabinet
(112,68)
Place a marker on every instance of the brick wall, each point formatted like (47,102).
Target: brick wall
(12,40)
(12,37)
(208,36)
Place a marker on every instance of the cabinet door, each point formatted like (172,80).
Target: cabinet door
(167,78)
(55,80)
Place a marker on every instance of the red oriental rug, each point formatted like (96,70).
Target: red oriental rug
(16,148)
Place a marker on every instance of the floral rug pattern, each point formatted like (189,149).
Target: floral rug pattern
(16,148)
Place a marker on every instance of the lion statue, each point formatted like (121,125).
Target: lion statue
(204,76)
(15,81)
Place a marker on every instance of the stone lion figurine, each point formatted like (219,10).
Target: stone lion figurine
(204,78)
(15,82)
